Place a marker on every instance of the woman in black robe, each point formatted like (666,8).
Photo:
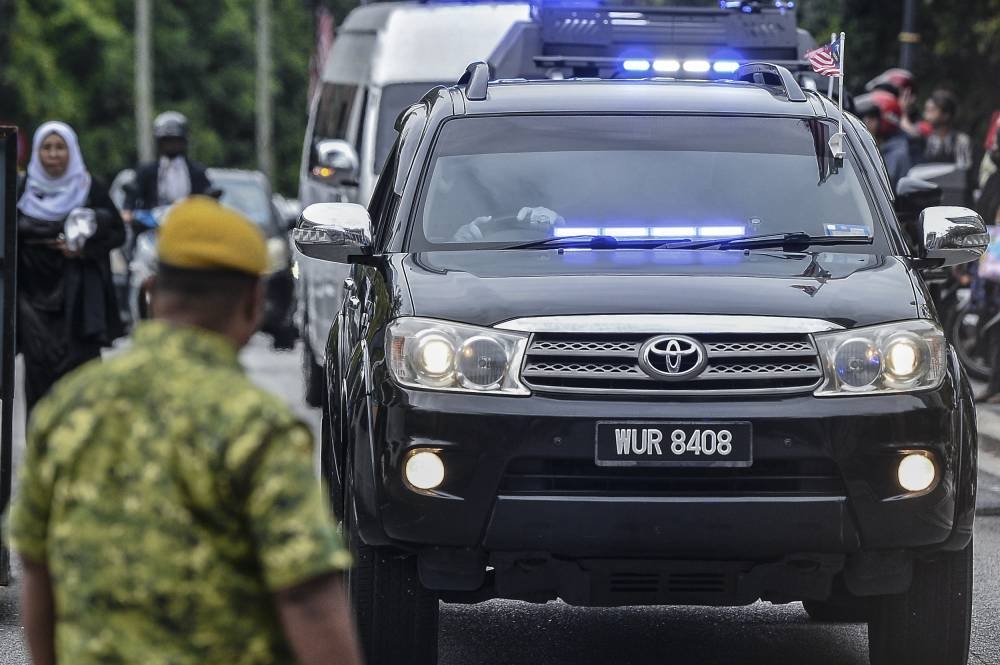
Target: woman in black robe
(67,227)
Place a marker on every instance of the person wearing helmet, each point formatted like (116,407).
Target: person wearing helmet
(902,84)
(881,113)
(896,81)
(172,176)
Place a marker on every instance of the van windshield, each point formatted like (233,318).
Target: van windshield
(503,181)
(395,98)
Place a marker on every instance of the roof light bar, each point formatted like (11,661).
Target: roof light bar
(673,66)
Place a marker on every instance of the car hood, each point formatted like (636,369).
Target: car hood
(487,287)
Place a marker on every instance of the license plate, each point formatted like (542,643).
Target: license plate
(631,443)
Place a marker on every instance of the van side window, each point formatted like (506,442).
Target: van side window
(334,122)
(333,113)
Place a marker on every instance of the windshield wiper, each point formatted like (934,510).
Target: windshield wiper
(795,239)
(591,241)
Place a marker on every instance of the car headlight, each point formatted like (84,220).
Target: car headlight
(438,355)
(892,358)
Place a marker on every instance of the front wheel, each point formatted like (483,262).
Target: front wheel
(397,617)
(931,623)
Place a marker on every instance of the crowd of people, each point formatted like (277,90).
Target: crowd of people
(908,136)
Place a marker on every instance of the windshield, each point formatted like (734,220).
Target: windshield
(249,198)
(394,99)
(516,179)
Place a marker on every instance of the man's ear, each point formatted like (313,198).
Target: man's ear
(150,287)
(255,303)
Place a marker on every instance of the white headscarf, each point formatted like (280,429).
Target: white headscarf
(51,199)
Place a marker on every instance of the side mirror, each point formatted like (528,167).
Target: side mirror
(333,231)
(913,195)
(952,235)
(336,162)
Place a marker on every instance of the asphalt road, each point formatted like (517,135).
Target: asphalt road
(513,633)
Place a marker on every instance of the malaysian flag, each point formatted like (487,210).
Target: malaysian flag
(826,59)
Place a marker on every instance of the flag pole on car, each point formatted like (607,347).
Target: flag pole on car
(828,60)
(831,80)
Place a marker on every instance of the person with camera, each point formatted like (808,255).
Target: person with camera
(67,226)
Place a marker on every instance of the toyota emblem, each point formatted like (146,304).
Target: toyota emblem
(672,357)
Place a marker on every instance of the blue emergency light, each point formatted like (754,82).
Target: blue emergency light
(665,232)
(674,66)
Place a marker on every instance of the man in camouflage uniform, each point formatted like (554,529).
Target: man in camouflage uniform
(168,510)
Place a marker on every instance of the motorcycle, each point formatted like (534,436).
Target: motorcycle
(142,266)
(978,314)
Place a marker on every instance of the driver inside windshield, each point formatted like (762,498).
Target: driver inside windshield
(536,222)
(465,194)
(522,180)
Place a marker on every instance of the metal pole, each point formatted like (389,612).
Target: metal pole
(143,80)
(829,84)
(265,128)
(908,37)
(840,128)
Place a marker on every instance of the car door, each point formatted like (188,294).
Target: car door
(8,303)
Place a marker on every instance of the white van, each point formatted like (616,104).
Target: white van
(384,58)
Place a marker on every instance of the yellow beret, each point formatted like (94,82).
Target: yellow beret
(199,233)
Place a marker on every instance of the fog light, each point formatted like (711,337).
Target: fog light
(424,470)
(916,472)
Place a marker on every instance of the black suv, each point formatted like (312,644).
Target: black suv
(647,342)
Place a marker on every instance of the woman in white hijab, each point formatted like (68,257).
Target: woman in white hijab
(67,226)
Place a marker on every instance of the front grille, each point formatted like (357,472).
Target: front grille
(766,478)
(609,363)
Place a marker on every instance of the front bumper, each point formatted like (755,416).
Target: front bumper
(520,477)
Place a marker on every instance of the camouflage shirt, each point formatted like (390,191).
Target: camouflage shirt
(170,498)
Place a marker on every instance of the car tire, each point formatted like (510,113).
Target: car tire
(931,623)
(397,617)
(313,375)
(836,611)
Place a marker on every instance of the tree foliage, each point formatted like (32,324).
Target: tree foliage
(73,60)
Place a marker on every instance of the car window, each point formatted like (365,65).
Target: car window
(381,202)
(394,99)
(249,198)
(653,176)
(333,112)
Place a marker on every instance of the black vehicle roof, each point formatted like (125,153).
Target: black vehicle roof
(643,96)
